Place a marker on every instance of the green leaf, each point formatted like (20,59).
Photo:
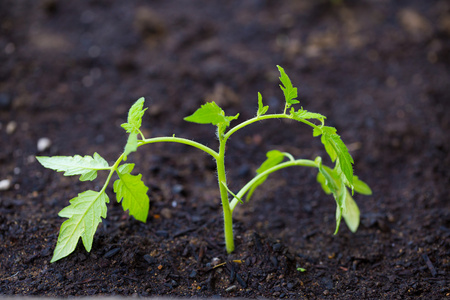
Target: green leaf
(351,213)
(210,113)
(131,145)
(328,178)
(289,91)
(86,166)
(84,213)
(306,115)
(261,109)
(340,196)
(274,157)
(133,191)
(338,152)
(361,187)
(323,183)
(135,114)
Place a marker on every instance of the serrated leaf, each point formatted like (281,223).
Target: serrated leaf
(135,114)
(84,213)
(274,157)
(210,113)
(306,115)
(338,152)
(261,108)
(133,191)
(86,166)
(361,187)
(289,91)
(351,213)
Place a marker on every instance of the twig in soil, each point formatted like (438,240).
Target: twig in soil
(12,276)
(429,264)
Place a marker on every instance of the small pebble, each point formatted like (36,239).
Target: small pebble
(11,127)
(111,253)
(215,261)
(166,213)
(43,144)
(193,274)
(5,184)
(231,288)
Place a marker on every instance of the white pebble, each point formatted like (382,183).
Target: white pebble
(11,127)
(43,144)
(5,184)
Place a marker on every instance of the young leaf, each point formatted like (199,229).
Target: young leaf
(135,117)
(86,166)
(340,195)
(261,109)
(351,213)
(306,115)
(210,113)
(84,213)
(274,157)
(133,191)
(131,145)
(289,91)
(337,150)
(361,187)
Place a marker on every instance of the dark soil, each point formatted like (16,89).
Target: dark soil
(379,70)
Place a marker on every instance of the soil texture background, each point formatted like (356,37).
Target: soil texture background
(379,71)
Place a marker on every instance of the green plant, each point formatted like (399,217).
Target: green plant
(86,210)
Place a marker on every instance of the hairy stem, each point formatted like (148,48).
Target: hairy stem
(227,212)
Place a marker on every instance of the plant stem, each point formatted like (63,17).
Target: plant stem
(227,213)
(265,117)
(111,172)
(298,162)
(180,141)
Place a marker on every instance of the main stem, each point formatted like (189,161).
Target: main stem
(227,213)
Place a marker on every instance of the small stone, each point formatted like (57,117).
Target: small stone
(111,253)
(326,292)
(193,274)
(231,288)
(11,127)
(166,213)
(43,144)
(276,247)
(215,261)
(5,184)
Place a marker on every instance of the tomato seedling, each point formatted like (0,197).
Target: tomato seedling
(86,211)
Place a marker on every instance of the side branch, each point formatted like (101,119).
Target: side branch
(266,117)
(179,141)
(244,190)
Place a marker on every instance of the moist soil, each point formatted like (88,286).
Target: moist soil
(379,70)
